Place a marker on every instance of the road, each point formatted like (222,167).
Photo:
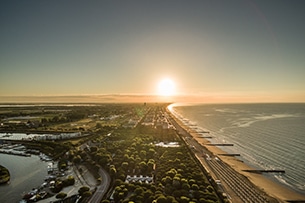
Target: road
(102,188)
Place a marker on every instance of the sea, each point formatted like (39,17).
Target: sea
(268,136)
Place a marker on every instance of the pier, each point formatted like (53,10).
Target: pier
(220,144)
(207,137)
(265,171)
(229,154)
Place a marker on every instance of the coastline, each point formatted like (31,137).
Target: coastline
(273,189)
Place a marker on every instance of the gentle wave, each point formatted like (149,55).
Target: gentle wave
(268,136)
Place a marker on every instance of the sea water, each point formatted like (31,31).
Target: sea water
(268,136)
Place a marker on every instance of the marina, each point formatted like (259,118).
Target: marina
(20,184)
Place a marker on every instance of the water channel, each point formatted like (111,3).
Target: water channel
(26,173)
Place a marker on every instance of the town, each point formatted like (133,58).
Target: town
(106,153)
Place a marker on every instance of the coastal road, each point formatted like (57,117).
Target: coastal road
(238,188)
(102,188)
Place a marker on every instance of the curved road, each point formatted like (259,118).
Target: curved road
(102,188)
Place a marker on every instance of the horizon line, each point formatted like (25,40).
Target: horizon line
(140,98)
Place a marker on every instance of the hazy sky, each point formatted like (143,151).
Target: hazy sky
(218,49)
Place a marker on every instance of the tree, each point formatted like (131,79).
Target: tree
(143,154)
(124,165)
(186,186)
(171,172)
(93,149)
(151,153)
(166,180)
(176,182)
(77,159)
(184,199)
(150,164)
(61,195)
(71,180)
(139,191)
(83,189)
(112,170)
(86,194)
(4,174)
(143,166)
(210,188)
(161,199)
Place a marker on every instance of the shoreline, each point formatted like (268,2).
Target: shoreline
(272,188)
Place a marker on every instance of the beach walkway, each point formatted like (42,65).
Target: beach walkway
(244,189)
(236,186)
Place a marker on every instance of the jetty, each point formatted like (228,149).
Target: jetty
(219,144)
(229,154)
(207,137)
(265,171)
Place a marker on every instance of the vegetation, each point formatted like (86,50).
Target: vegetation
(61,195)
(4,175)
(121,139)
(134,153)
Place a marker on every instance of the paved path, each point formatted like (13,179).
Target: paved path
(237,187)
(244,189)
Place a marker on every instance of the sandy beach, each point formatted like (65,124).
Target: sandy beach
(270,187)
(267,185)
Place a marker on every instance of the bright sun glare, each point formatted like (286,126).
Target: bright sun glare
(166,87)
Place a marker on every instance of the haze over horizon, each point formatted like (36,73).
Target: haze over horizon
(213,51)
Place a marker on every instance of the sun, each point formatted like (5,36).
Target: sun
(166,87)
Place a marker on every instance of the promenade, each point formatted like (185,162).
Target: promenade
(236,186)
(244,189)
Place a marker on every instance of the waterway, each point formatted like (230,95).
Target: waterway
(26,173)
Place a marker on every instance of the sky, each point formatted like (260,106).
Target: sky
(213,50)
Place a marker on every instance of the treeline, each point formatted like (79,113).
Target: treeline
(43,117)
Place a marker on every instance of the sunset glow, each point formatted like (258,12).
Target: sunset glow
(242,51)
(166,87)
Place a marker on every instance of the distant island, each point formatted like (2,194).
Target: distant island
(4,175)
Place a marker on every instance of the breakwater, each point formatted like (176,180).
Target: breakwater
(265,171)
(219,144)
(229,154)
